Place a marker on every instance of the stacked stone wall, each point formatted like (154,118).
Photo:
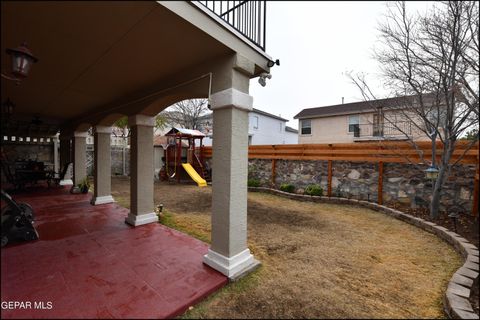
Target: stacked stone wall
(402,183)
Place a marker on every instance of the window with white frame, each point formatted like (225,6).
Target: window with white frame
(255,122)
(353,120)
(306,127)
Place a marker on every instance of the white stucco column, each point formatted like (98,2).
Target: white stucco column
(102,192)
(79,157)
(65,158)
(229,253)
(141,171)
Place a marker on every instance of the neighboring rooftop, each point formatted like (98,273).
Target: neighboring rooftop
(355,107)
(268,114)
(290,129)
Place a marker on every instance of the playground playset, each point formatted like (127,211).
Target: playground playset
(183,157)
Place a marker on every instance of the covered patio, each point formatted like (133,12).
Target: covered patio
(102,61)
(89,264)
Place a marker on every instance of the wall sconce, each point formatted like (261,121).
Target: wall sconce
(22,60)
(7,109)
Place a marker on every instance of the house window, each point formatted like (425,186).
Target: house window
(436,117)
(353,121)
(255,122)
(306,127)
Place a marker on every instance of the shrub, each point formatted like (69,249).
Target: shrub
(253,183)
(314,190)
(287,187)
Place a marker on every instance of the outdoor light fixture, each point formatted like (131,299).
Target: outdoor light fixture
(22,60)
(431,173)
(8,107)
(271,63)
(454,217)
(263,78)
(160,208)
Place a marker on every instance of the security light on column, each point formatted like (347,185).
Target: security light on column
(263,77)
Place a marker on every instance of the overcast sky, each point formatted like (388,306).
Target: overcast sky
(317,42)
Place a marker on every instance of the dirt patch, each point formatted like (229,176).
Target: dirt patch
(319,260)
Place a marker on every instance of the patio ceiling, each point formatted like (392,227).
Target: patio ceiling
(94,54)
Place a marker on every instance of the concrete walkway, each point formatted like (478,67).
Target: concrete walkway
(89,264)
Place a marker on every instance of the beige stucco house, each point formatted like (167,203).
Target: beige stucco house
(381,119)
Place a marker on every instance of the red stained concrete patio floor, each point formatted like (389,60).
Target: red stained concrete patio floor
(89,264)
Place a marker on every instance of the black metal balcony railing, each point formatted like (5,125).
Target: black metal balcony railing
(247,17)
(382,130)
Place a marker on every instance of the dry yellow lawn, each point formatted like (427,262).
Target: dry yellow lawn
(319,260)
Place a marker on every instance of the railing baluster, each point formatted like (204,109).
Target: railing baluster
(259,23)
(245,16)
(264,19)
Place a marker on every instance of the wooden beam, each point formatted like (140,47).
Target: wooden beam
(274,167)
(380,183)
(329,183)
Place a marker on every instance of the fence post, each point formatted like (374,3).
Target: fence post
(380,182)
(274,167)
(475,193)
(329,183)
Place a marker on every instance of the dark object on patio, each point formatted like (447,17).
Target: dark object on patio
(17,221)
(30,171)
(56,177)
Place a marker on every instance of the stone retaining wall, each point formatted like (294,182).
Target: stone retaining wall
(456,303)
(404,183)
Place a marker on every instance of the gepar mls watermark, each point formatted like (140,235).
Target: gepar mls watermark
(27,305)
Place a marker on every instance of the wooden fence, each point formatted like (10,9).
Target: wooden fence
(377,152)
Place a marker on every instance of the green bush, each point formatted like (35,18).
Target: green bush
(314,190)
(253,183)
(287,187)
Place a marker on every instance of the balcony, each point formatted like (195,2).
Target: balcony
(375,131)
(247,17)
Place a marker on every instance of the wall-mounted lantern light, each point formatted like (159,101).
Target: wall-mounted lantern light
(22,60)
(431,173)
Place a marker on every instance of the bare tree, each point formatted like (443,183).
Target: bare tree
(432,61)
(187,113)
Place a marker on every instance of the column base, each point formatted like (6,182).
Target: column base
(138,220)
(101,200)
(234,267)
(66,182)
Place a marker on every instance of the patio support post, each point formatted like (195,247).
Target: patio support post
(79,157)
(229,253)
(141,171)
(102,166)
(56,163)
(65,157)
